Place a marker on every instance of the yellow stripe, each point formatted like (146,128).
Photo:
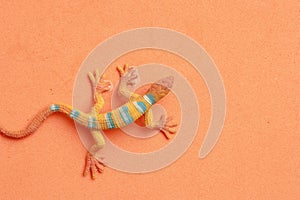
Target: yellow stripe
(102,121)
(133,111)
(117,118)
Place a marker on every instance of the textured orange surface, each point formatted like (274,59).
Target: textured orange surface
(256,46)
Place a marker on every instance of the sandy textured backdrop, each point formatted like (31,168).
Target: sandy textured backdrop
(256,46)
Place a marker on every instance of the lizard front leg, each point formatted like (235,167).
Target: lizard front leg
(129,77)
(166,126)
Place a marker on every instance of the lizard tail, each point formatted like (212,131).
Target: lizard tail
(37,120)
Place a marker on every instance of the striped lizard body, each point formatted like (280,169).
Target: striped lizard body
(124,115)
(117,118)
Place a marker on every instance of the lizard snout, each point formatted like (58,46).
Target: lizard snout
(167,81)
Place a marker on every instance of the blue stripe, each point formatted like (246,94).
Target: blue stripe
(92,122)
(109,121)
(140,106)
(54,107)
(74,114)
(125,115)
(151,97)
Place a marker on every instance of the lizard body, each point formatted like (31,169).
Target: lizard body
(95,120)
(117,118)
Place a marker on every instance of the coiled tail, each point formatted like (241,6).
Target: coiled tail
(37,120)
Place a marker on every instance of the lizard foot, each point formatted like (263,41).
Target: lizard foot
(167,126)
(99,83)
(129,75)
(104,85)
(93,166)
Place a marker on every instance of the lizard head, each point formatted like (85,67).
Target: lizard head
(161,88)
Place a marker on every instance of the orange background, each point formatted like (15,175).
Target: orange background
(255,45)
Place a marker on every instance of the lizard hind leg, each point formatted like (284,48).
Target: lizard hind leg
(99,83)
(93,165)
(104,85)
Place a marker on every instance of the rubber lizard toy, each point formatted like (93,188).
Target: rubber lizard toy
(124,115)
